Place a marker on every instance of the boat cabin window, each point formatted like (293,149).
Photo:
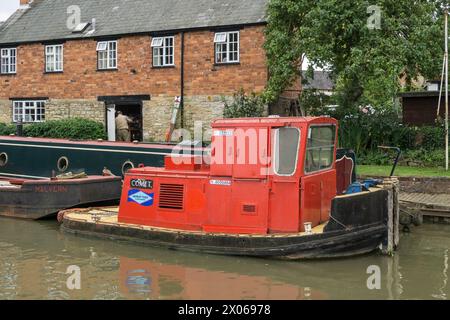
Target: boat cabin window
(287,143)
(320,148)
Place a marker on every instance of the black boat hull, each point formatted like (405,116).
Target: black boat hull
(358,225)
(41,199)
(289,247)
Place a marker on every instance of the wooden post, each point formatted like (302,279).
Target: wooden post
(446,94)
(393,216)
(396,190)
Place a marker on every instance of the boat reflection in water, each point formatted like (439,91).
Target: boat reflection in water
(35,257)
(151,279)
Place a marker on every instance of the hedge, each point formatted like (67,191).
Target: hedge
(75,128)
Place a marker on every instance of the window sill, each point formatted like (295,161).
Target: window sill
(53,72)
(108,70)
(164,67)
(28,122)
(8,74)
(226,64)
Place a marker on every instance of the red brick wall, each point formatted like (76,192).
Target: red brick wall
(203,77)
(81,80)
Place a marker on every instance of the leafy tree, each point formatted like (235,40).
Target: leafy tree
(365,62)
(315,103)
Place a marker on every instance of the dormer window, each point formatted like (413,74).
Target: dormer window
(81,27)
(107,55)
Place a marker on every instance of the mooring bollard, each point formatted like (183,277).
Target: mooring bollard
(19,127)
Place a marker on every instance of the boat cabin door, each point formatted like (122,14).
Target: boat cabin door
(285,182)
(318,185)
(111,121)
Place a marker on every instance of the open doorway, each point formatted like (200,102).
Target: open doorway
(131,110)
(130,106)
(134,112)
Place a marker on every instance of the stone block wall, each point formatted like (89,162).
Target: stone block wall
(57,109)
(5,111)
(158,111)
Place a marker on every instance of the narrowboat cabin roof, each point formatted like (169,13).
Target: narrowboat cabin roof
(91,143)
(270,121)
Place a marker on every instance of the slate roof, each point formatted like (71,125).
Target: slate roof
(46,20)
(320,81)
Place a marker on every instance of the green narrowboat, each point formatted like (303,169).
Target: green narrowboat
(36,158)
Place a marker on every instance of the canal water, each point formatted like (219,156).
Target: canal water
(35,256)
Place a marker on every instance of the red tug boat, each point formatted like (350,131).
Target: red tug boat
(270,187)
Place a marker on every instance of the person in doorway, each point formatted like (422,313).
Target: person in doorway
(123,127)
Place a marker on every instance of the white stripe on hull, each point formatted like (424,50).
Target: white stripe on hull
(22,176)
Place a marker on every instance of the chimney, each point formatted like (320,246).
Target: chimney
(25,2)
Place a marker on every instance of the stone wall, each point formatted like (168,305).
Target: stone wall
(156,117)
(430,185)
(204,109)
(56,109)
(158,111)
(426,185)
(5,111)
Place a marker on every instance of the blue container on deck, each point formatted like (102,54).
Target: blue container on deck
(358,187)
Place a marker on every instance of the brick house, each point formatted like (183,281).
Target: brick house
(130,55)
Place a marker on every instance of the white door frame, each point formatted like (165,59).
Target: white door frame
(111,121)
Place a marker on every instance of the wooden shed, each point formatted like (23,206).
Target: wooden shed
(420,108)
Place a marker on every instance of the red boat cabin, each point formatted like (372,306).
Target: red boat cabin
(262,176)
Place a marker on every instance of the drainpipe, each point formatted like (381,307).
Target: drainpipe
(182,81)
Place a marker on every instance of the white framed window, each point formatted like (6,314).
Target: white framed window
(163,51)
(227,47)
(286,149)
(107,55)
(8,61)
(54,58)
(29,111)
(320,148)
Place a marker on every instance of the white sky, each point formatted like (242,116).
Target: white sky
(7,7)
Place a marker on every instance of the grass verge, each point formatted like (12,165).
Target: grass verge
(402,171)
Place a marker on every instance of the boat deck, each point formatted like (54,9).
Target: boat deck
(109,216)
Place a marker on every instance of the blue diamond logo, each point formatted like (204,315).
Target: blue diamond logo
(141,198)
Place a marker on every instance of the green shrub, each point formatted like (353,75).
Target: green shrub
(377,158)
(412,158)
(424,158)
(365,132)
(75,128)
(7,129)
(244,106)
